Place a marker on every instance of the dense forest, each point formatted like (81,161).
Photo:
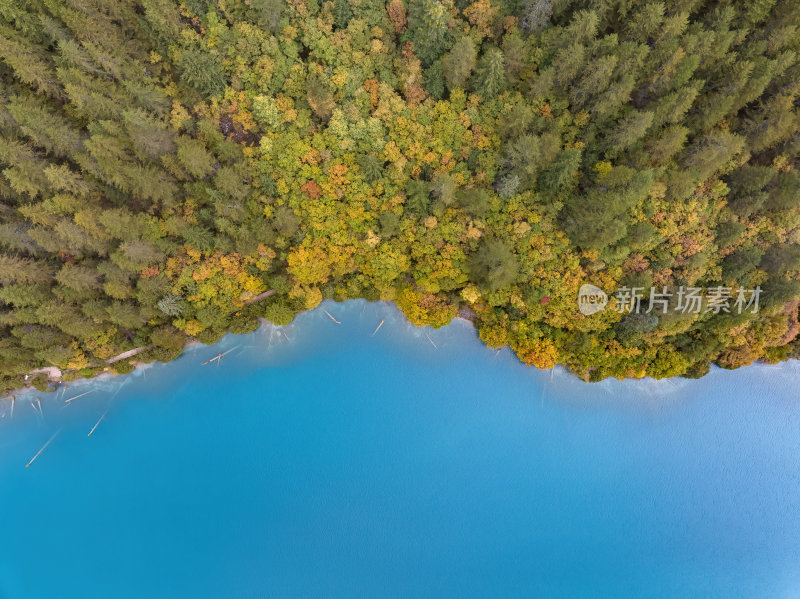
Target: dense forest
(172,171)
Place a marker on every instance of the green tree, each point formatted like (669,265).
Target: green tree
(428,28)
(342,13)
(170,305)
(494,265)
(561,174)
(22,270)
(418,199)
(629,130)
(269,12)
(459,62)
(433,80)
(490,75)
(194,157)
(371,166)
(45,127)
(475,200)
(79,277)
(202,71)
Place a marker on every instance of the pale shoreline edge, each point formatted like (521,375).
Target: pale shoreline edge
(266,324)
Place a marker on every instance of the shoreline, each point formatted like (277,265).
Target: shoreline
(462,316)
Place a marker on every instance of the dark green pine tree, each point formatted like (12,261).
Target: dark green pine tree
(428,29)
(202,71)
(494,265)
(342,13)
(372,167)
(418,199)
(490,75)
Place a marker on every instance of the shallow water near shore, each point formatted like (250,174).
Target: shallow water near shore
(320,460)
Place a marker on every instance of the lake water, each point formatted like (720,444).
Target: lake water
(322,461)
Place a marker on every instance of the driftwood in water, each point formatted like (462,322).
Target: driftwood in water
(77,396)
(97,423)
(331,317)
(218,357)
(38,453)
(378,328)
(431,340)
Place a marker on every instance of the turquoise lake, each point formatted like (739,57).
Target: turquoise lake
(320,460)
